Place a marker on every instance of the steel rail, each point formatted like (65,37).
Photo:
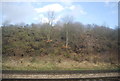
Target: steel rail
(58,71)
(55,74)
(72,79)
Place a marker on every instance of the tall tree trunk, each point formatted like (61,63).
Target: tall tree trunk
(48,34)
(66,39)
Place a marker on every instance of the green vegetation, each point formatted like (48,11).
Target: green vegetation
(71,46)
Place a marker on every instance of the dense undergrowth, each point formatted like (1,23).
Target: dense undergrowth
(90,45)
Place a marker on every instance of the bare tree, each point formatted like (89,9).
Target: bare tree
(51,18)
(67,21)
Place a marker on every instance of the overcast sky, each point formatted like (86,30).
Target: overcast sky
(85,12)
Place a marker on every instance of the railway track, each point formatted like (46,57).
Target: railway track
(85,75)
(85,79)
(58,71)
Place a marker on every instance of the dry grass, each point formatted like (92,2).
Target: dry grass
(50,63)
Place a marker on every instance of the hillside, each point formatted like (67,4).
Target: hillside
(67,46)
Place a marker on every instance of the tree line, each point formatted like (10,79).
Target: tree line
(70,39)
